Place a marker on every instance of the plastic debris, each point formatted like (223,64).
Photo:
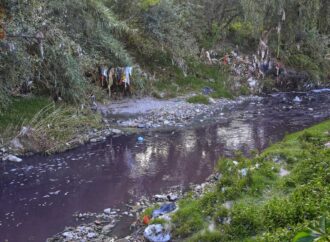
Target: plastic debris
(166,208)
(172,197)
(146,220)
(157,233)
(140,139)
(207,90)
(244,171)
(107,210)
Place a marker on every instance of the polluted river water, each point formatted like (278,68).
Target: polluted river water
(40,195)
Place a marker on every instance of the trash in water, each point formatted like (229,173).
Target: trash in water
(166,208)
(156,233)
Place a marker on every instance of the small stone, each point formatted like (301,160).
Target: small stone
(69,235)
(297,99)
(116,131)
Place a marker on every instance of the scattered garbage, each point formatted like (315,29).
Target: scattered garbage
(252,82)
(169,197)
(321,90)
(157,233)
(243,172)
(166,208)
(146,220)
(160,197)
(140,139)
(107,210)
(283,172)
(207,90)
(172,197)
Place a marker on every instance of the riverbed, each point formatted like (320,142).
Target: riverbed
(39,197)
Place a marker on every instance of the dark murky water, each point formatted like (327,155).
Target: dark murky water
(39,196)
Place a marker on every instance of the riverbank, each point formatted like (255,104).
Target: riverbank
(55,129)
(243,201)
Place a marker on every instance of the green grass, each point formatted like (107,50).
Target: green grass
(174,83)
(198,99)
(21,110)
(266,207)
(53,126)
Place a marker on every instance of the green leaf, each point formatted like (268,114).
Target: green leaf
(322,224)
(304,237)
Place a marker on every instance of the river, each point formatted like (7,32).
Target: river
(39,196)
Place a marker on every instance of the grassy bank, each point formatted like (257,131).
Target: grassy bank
(266,198)
(52,127)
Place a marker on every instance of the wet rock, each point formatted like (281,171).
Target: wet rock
(69,235)
(157,233)
(12,158)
